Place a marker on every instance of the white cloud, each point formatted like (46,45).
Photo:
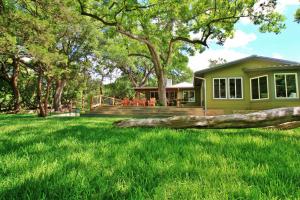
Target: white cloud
(201,60)
(240,39)
(277,55)
(282,4)
(280,7)
(245,20)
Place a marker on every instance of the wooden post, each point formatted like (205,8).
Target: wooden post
(91,103)
(113,101)
(82,101)
(178,102)
(100,100)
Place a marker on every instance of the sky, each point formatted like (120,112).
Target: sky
(248,41)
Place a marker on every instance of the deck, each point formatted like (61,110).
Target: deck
(158,111)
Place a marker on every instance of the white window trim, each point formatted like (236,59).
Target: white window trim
(189,95)
(257,77)
(242,87)
(219,88)
(297,89)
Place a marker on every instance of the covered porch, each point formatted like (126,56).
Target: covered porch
(180,95)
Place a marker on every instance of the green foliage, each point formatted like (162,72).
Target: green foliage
(120,89)
(297,16)
(88,158)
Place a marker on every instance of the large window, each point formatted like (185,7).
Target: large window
(259,88)
(154,94)
(219,87)
(286,85)
(189,95)
(235,88)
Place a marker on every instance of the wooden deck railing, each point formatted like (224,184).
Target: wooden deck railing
(101,100)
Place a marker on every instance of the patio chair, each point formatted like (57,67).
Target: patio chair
(152,102)
(142,102)
(135,102)
(125,102)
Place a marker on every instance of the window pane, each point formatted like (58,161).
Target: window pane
(223,88)
(216,88)
(263,84)
(232,88)
(239,88)
(185,96)
(280,86)
(291,86)
(192,96)
(254,88)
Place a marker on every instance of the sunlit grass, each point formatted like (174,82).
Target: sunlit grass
(88,158)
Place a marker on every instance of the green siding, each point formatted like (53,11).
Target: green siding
(246,103)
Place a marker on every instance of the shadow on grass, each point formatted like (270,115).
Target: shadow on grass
(88,158)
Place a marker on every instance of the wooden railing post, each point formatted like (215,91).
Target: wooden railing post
(91,103)
(100,100)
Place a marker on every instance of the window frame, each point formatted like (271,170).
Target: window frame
(153,92)
(189,95)
(242,88)
(297,89)
(226,84)
(258,77)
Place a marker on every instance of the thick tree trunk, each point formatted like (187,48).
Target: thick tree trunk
(14,84)
(159,71)
(282,118)
(60,84)
(161,89)
(43,102)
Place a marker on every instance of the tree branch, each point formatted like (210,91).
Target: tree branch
(191,41)
(139,55)
(83,12)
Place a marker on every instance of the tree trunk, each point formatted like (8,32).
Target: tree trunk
(47,96)
(159,71)
(161,89)
(42,112)
(282,118)
(1,7)
(14,84)
(60,84)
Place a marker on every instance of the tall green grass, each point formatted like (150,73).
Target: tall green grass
(88,158)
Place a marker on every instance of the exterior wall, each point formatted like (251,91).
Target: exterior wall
(273,102)
(229,105)
(197,97)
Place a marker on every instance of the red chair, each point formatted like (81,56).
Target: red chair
(142,102)
(135,102)
(125,102)
(152,102)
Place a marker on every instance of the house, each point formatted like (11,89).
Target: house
(251,83)
(183,92)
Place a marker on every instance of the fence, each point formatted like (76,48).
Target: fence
(101,100)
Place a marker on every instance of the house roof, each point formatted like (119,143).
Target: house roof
(281,63)
(274,68)
(181,85)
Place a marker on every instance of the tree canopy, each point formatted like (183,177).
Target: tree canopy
(165,27)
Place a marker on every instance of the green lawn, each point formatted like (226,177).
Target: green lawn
(88,158)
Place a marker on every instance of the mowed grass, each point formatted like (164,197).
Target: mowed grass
(89,158)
